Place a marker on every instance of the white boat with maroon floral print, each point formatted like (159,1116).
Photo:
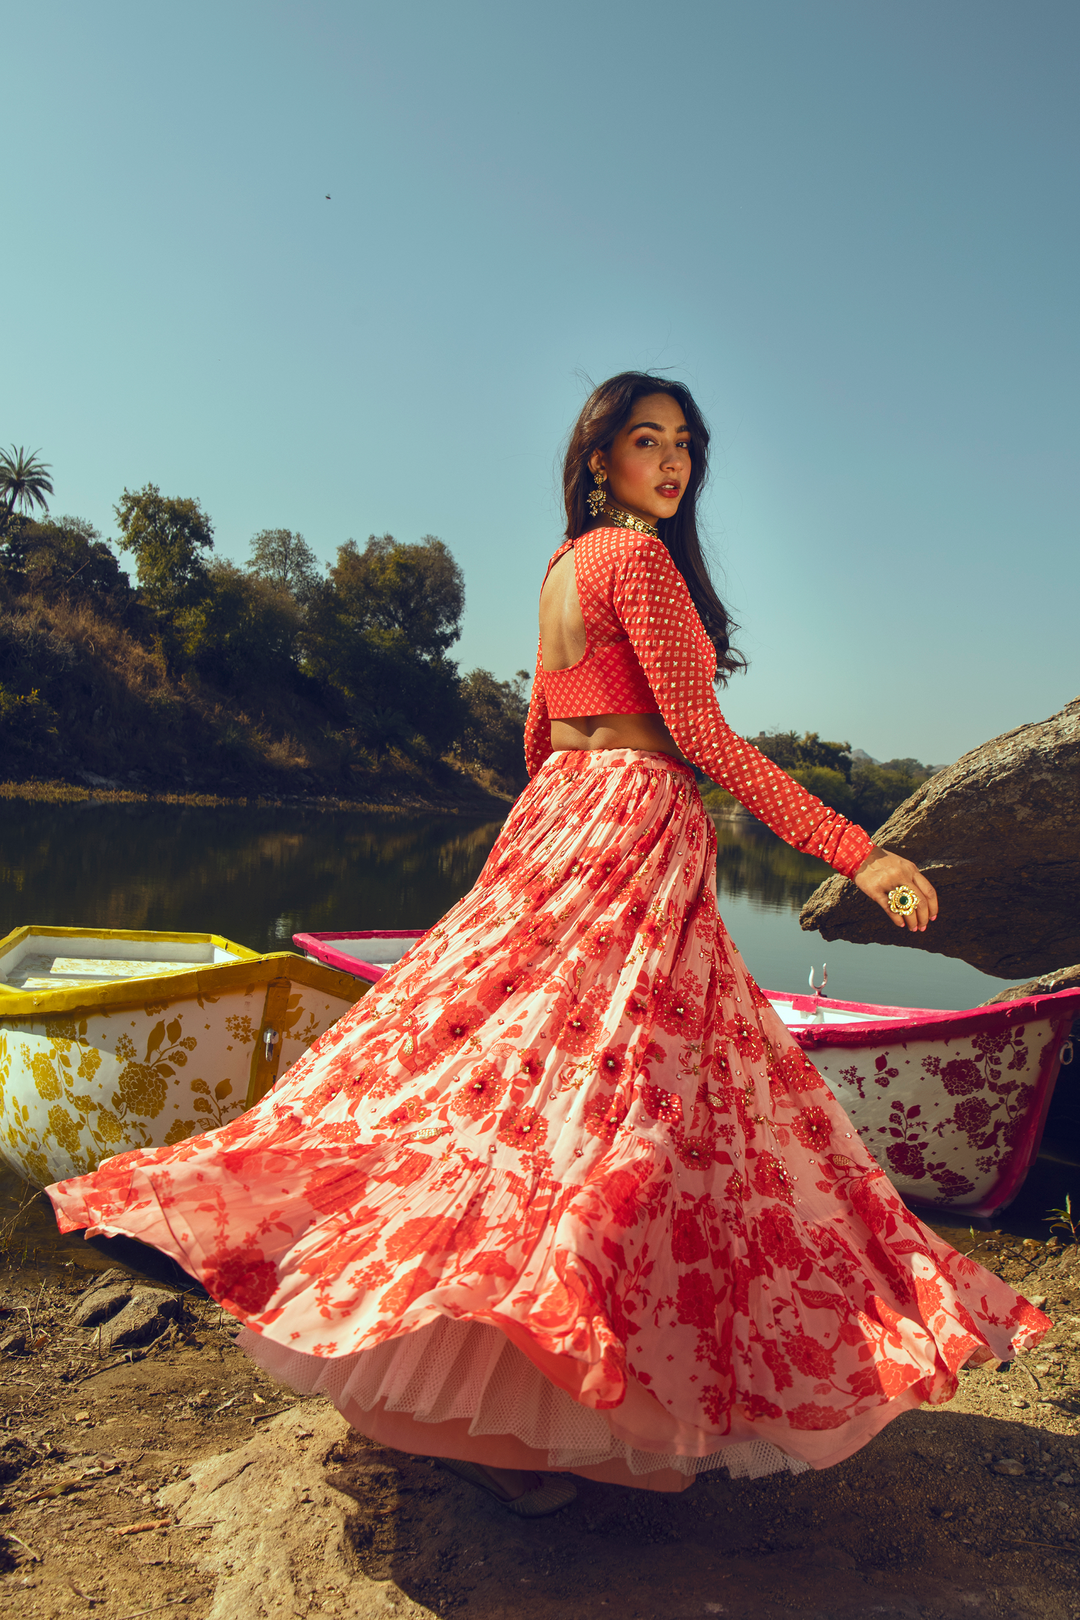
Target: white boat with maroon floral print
(951,1104)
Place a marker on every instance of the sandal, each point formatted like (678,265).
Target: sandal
(550,1496)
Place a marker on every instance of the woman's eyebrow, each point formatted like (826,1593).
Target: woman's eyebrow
(656,427)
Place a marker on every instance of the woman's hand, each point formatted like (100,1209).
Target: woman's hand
(882,871)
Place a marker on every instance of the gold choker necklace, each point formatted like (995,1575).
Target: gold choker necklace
(624,520)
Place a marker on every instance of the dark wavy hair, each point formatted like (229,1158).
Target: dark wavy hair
(605,411)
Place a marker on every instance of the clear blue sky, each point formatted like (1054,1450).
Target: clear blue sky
(850,227)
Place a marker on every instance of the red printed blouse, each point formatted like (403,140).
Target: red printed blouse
(643,634)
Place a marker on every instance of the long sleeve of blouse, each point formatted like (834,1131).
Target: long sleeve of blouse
(654,607)
(649,598)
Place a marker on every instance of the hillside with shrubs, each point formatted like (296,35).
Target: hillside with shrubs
(275,677)
(278,677)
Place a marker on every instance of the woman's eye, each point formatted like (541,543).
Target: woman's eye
(644,442)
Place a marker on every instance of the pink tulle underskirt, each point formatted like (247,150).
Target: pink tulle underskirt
(469,1377)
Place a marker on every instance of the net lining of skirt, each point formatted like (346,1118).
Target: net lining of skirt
(460,1369)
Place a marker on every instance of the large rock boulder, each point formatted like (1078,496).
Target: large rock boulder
(998,835)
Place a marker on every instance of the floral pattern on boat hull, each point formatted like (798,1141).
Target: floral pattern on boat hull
(949,1118)
(570,1112)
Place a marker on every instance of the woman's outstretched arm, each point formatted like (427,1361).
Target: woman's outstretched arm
(655,609)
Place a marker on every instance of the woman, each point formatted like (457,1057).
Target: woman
(562,1192)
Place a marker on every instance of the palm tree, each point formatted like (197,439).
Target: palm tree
(24,481)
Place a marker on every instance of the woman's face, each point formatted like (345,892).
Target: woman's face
(648,463)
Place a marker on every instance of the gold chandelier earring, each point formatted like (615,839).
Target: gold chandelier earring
(596,497)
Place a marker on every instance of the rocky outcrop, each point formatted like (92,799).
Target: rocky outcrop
(280,1545)
(100,1302)
(125,1311)
(998,835)
(1064,979)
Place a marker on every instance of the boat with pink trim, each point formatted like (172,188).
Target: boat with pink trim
(951,1104)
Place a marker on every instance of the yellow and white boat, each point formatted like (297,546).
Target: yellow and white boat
(113,1039)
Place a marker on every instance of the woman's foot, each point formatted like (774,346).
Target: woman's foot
(513,1482)
(529,1495)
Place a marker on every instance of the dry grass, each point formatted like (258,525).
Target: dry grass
(118,705)
(109,706)
(286,753)
(68,793)
(59,792)
(491,781)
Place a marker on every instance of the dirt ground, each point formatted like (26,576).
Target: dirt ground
(264,1505)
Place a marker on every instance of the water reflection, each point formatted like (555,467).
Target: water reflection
(256,876)
(259,876)
(763,884)
(752,862)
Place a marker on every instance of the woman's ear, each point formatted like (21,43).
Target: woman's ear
(597,462)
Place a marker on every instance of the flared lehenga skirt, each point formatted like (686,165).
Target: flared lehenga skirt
(562,1191)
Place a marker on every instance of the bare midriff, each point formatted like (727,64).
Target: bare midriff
(591,731)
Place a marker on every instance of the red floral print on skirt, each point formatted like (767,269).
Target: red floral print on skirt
(562,1191)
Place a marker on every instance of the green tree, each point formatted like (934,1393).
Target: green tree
(782,747)
(792,752)
(285,559)
(866,792)
(908,767)
(27,723)
(414,591)
(377,632)
(391,695)
(830,786)
(24,482)
(241,633)
(877,790)
(493,734)
(64,558)
(829,756)
(169,536)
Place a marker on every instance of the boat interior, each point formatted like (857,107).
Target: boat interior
(42,961)
(799,1010)
(380,949)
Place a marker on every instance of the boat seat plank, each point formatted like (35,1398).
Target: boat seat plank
(46,972)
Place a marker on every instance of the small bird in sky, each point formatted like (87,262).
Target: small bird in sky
(328,196)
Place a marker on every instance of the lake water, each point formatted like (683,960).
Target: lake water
(259,876)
